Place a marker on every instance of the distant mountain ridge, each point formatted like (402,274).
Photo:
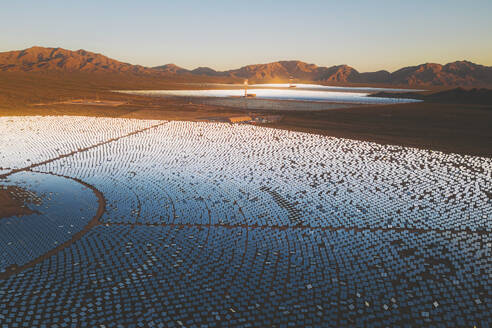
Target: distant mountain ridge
(459,73)
(171,68)
(38,59)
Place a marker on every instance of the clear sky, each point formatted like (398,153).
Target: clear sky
(367,35)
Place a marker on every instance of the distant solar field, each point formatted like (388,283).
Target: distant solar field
(169,224)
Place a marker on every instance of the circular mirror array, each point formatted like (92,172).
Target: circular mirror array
(209,225)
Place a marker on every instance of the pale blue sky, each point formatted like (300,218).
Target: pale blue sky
(367,35)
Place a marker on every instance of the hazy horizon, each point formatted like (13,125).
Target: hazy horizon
(226,35)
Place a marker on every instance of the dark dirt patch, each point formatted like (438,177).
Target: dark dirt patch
(14,200)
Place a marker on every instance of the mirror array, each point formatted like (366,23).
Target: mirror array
(34,139)
(211,225)
(66,207)
(310,94)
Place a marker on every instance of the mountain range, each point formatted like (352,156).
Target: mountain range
(459,73)
(39,59)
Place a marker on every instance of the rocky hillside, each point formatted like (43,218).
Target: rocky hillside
(171,68)
(37,59)
(458,73)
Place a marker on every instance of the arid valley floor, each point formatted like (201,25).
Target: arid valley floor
(459,127)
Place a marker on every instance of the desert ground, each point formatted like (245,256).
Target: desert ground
(13,201)
(462,128)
